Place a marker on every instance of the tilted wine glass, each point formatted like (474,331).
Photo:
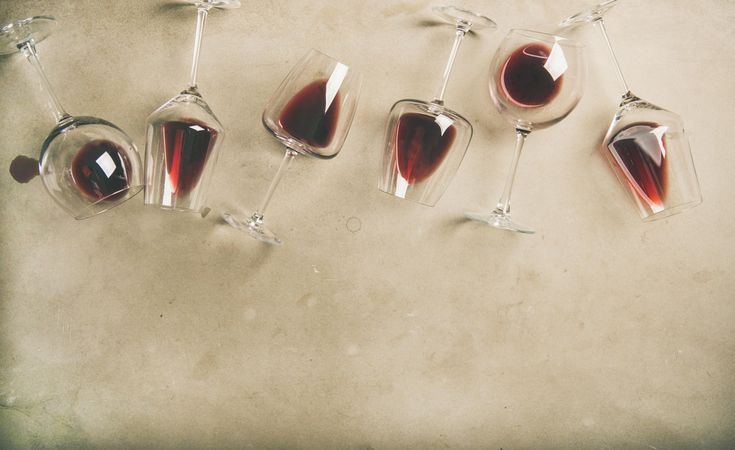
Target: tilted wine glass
(87,164)
(645,144)
(536,80)
(184,137)
(426,141)
(310,113)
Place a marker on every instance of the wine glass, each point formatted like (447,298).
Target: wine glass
(536,80)
(645,144)
(184,137)
(426,141)
(87,164)
(310,113)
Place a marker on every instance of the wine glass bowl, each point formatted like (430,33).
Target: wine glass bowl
(536,79)
(310,113)
(314,106)
(646,145)
(87,164)
(425,142)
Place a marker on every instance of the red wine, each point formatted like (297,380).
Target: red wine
(100,170)
(421,145)
(23,169)
(308,118)
(188,145)
(525,80)
(640,150)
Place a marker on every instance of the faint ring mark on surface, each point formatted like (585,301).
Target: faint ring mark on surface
(353,224)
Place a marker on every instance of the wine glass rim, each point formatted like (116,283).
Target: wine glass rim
(561,40)
(316,50)
(7,26)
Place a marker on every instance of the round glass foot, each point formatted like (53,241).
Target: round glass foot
(14,35)
(590,14)
(253,226)
(221,4)
(453,15)
(500,220)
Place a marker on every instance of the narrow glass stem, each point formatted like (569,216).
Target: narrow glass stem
(202,12)
(287,158)
(600,24)
(462,29)
(504,202)
(29,50)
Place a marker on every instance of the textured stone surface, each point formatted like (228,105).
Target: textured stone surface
(380,323)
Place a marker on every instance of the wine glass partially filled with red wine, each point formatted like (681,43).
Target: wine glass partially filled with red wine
(536,80)
(426,141)
(310,114)
(645,144)
(87,164)
(184,137)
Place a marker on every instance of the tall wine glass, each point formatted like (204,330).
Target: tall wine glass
(310,113)
(536,80)
(87,164)
(645,144)
(426,141)
(184,137)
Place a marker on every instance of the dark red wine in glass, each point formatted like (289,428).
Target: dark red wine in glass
(421,145)
(100,170)
(525,79)
(640,150)
(187,145)
(311,115)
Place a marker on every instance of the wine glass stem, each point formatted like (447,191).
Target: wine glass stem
(287,158)
(202,12)
(504,202)
(462,29)
(29,50)
(600,24)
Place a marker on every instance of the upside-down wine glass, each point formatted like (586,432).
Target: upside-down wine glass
(646,145)
(425,142)
(87,164)
(310,114)
(536,80)
(184,137)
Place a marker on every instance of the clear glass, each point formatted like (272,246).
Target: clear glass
(645,144)
(310,114)
(536,80)
(425,142)
(87,164)
(184,138)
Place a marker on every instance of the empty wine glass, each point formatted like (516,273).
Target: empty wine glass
(87,164)
(536,80)
(184,137)
(646,145)
(426,141)
(310,113)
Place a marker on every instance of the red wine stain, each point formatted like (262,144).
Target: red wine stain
(525,79)
(640,150)
(421,145)
(23,169)
(308,118)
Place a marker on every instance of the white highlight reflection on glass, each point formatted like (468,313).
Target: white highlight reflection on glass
(107,164)
(334,83)
(556,63)
(444,122)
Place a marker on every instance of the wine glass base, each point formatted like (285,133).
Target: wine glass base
(500,220)
(453,15)
(219,4)
(14,35)
(253,227)
(591,14)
